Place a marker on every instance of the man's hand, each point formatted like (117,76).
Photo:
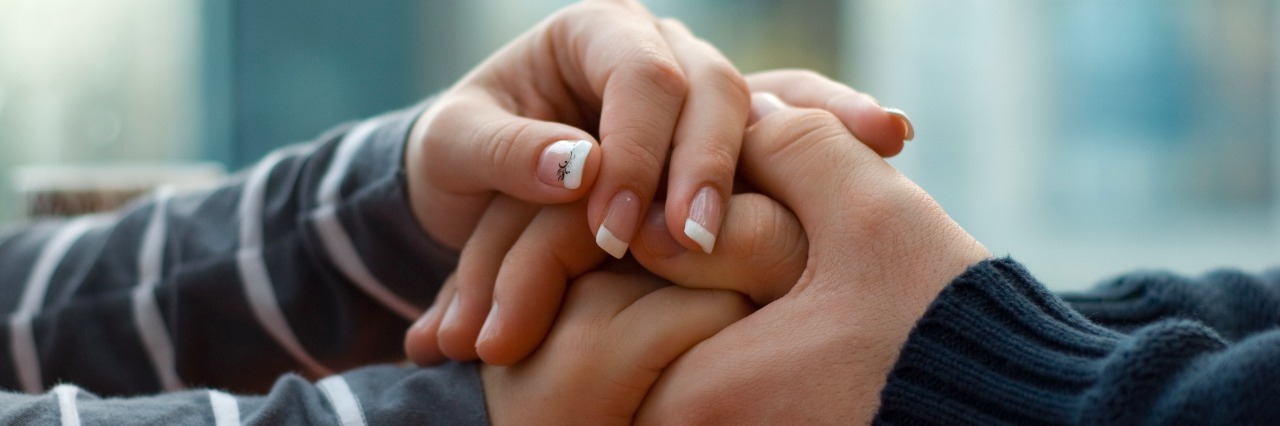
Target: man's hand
(879,251)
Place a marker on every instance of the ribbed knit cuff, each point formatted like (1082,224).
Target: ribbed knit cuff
(995,347)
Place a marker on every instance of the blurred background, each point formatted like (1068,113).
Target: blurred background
(1084,137)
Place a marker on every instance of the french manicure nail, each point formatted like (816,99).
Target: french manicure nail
(562,162)
(906,122)
(487,330)
(619,224)
(704,218)
(762,104)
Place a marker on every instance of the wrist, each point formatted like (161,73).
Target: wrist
(910,241)
(905,252)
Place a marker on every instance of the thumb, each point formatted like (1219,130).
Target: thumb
(474,146)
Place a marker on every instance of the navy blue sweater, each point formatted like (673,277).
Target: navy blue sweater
(1145,348)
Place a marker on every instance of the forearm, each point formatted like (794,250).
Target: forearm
(310,261)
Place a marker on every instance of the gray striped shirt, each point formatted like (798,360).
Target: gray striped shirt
(214,307)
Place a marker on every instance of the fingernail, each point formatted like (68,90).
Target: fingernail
(562,162)
(762,104)
(424,318)
(451,314)
(487,330)
(619,224)
(657,239)
(704,218)
(910,132)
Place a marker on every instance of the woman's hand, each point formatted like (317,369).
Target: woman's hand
(879,251)
(522,123)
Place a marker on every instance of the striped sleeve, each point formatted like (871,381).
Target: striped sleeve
(378,395)
(309,262)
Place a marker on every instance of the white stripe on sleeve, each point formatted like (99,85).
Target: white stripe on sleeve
(335,239)
(68,413)
(226,411)
(253,269)
(22,343)
(345,404)
(146,312)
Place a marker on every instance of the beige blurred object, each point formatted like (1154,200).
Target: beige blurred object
(70,190)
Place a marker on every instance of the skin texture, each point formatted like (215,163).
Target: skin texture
(616,333)
(879,251)
(818,353)
(650,90)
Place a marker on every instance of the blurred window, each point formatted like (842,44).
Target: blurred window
(1084,137)
(1088,137)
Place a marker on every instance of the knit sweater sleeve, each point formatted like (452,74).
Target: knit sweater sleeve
(995,347)
(374,395)
(1233,303)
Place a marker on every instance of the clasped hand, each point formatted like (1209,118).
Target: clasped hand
(840,250)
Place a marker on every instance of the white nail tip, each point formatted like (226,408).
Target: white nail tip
(911,129)
(577,161)
(700,235)
(771,98)
(610,243)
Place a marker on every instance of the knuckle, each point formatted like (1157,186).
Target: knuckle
(770,239)
(719,156)
(659,70)
(725,77)
(790,249)
(498,141)
(806,129)
(635,159)
(814,123)
(768,234)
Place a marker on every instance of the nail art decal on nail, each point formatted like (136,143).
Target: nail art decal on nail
(572,167)
(563,168)
(562,163)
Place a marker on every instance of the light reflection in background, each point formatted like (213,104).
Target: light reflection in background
(1084,137)
(1088,138)
(92,82)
